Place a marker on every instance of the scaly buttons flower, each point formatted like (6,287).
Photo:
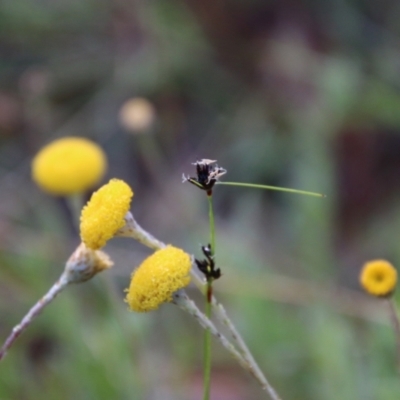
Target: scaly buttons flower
(379,278)
(68,166)
(157,278)
(104,214)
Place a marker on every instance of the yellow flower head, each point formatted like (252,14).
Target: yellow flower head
(379,278)
(157,278)
(104,214)
(69,165)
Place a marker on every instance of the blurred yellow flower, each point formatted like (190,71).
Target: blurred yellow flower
(68,166)
(378,278)
(157,278)
(137,115)
(104,213)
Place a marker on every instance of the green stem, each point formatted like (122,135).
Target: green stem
(212,223)
(208,307)
(278,188)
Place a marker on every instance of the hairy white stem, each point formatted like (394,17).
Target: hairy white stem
(82,265)
(34,312)
(133,230)
(182,300)
(222,316)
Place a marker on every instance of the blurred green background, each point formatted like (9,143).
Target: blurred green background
(303,94)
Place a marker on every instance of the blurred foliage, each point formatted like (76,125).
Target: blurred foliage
(300,94)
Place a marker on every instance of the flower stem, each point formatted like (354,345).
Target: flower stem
(33,313)
(220,313)
(208,307)
(278,188)
(394,317)
(133,230)
(212,223)
(207,346)
(181,299)
(75,203)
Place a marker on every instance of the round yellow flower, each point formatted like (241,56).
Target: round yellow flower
(104,213)
(379,278)
(68,166)
(157,278)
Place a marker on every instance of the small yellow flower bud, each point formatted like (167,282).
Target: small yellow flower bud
(69,166)
(104,214)
(158,278)
(378,278)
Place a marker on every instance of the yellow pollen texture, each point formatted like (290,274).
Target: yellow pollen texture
(157,278)
(68,166)
(378,278)
(104,214)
